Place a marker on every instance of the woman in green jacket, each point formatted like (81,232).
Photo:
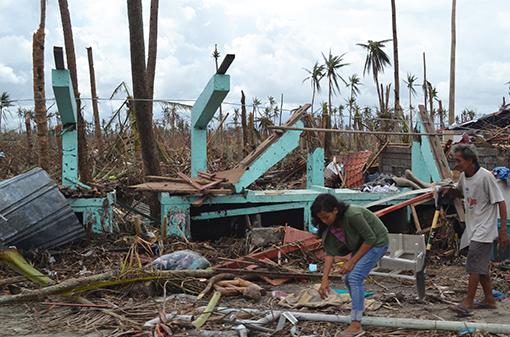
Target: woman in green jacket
(355,235)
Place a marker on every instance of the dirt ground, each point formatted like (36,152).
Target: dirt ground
(123,310)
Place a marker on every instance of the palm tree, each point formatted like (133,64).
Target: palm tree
(375,63)
(395,56)
(411,83)
(41,118)
(5,102)
(353,83)
(143,114)
(315,76)
(332,64)
(451,98)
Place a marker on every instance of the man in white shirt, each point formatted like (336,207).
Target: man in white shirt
(482,198)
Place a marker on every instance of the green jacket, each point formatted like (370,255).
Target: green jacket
(360,225)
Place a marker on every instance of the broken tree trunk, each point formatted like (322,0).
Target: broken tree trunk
(95,108)
(143,113)
(243,124)
(28,130)
(152,51)
(77,285)
(39,94)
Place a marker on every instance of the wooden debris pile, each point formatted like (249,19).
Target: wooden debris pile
(205,184)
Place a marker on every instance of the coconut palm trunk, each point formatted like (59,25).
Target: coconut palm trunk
(395,57)
(152,51)
(351,102)
(410,110)
(95,108)
(138,73)
(451,96)
(41,119)
(83,160)
(246,138)
(379,93)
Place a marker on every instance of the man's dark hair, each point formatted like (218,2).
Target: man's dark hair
(468,152)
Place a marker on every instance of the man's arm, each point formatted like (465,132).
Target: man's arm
(503,235)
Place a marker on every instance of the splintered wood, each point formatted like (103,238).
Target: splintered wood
(204,185)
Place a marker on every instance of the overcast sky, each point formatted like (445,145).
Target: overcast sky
(273,42)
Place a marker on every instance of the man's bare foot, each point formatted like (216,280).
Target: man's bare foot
(354,329)
(468,304)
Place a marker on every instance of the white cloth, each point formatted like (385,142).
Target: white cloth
(481,195)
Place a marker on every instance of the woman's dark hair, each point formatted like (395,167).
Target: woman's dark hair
(326,203)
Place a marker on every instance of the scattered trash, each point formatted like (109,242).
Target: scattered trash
(498,295)
(467,331)
(279,294)
(346,292)
(180,260)
(381,189)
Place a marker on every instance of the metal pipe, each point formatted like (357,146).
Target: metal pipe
(361,131)
(405,323)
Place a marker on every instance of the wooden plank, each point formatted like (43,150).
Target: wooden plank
(415,218)
(177,188)
(234,175)
(398,196)
(387,210)
(189,180)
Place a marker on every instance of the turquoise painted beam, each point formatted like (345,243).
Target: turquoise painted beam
(282,196)
(66,103)
(64,95)
(418,165)
(248,210)
(315,168)
(287,142)
(201,114)
(422,160)
(70,158)
(210,100)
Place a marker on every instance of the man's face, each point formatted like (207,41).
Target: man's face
(462,164)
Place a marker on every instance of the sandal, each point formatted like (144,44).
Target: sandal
(461,310)
(484,306)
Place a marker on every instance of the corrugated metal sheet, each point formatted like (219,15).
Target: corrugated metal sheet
(34,214)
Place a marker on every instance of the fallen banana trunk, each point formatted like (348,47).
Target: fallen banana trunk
(14,260)
(78,285)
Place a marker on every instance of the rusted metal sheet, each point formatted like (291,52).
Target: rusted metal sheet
(34,214)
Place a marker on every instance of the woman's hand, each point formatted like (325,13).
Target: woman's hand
(347,267)
(324,288)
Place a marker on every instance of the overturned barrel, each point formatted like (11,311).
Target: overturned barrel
(34,214)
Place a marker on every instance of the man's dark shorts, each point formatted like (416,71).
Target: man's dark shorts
(478,257)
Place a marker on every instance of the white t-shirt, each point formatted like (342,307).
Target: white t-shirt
(481,195)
